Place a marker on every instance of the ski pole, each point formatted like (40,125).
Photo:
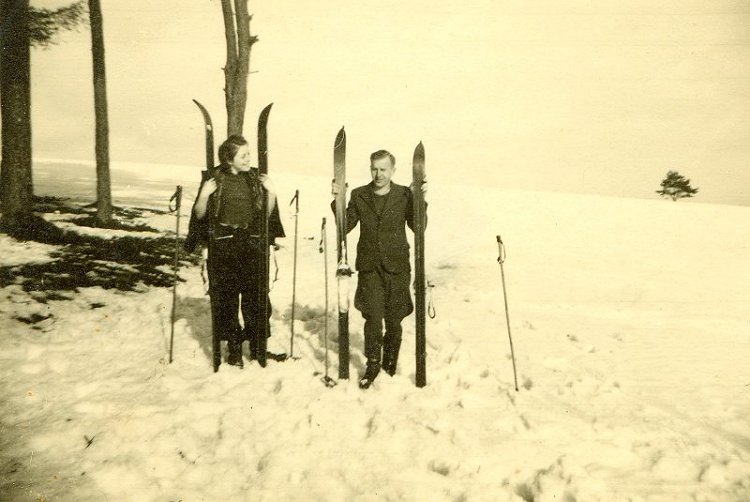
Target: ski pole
(328,381)
(295,200)
(501,260)
(177,198)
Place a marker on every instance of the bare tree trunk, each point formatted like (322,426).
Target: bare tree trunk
(16,187)
(103,185)
(239,43)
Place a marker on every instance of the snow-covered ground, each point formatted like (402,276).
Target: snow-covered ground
(631,332)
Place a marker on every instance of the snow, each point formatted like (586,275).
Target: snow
(631,337)
(17,253)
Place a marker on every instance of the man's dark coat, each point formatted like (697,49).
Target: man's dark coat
(382,238)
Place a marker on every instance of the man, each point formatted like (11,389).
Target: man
(383,209)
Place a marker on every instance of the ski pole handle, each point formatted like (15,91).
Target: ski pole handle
(322,236)
(295,199)
(177,199)
(500,250)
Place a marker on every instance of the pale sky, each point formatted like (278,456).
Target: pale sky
(598,97)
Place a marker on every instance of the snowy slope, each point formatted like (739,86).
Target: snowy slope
(631,332)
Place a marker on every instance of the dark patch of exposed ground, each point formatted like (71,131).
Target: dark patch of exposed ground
(117,262)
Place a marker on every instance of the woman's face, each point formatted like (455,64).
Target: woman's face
(241,160)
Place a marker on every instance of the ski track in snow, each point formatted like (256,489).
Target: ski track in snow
(631,369)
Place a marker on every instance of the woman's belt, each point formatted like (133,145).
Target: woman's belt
(227,231)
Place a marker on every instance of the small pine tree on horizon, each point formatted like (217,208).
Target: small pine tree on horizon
(676,186)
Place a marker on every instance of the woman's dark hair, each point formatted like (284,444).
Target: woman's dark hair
(229,148)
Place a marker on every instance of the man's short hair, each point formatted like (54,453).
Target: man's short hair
(381,154)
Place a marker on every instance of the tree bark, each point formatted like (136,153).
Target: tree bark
(239,42)
(16,186)
(103,183)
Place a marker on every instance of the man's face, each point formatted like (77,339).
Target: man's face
(382,171)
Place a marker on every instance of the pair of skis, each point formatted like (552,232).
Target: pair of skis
(344,272)
(262,337)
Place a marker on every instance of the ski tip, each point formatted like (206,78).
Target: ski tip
(340,138)
(204,112)
(198,103)
(263,118)
(419,152)
(499,239)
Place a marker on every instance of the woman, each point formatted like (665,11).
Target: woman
(229,204)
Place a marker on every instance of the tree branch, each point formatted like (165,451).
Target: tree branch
(45,24)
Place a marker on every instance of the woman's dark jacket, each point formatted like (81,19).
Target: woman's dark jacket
(199,230)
